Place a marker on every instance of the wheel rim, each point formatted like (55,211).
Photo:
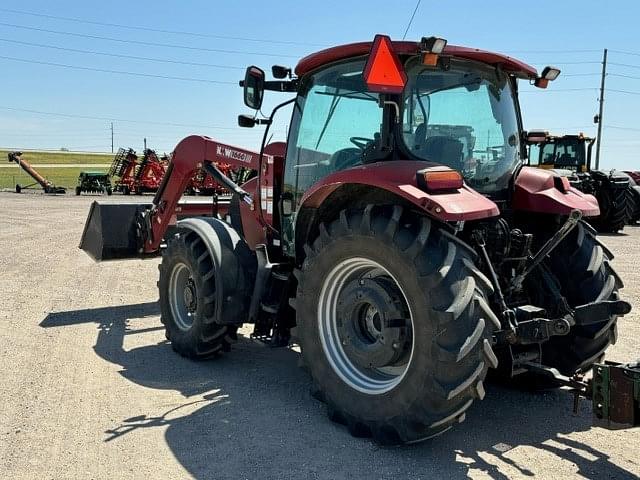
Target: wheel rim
(182,296)
(366,326)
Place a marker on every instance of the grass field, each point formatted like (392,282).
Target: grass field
(61,157)
(62,177)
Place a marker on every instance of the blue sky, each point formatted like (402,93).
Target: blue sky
(165,110)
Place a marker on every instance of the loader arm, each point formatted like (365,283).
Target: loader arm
(190,155)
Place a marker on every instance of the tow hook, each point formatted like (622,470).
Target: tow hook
(614,390)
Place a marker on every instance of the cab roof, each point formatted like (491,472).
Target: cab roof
(333,54)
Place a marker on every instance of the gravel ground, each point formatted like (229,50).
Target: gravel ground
(91,389)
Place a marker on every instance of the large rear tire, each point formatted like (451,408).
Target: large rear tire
(393,324)
(613,210)
(582,266)
(188,299)
(633,204)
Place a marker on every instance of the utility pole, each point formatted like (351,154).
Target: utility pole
(145,143)
(604,75)
(111,137)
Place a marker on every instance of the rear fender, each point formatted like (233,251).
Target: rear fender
(538,191)
(399,179)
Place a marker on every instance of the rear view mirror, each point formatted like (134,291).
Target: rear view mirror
(253,87)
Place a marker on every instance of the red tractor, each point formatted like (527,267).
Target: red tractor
(396,238)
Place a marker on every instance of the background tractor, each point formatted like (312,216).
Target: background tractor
(395,237)
(94,182)
(570,156)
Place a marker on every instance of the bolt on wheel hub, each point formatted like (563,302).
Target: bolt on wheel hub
(365,325)
(183,298)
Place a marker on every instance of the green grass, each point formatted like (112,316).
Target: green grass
(60,157)
(62,177)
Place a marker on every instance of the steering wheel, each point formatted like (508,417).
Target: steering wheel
(361,142)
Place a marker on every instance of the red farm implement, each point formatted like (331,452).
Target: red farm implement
(149,172)
(396,238)
(123,170)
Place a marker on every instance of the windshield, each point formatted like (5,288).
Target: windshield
(565,153)
(465,118)
(339,126)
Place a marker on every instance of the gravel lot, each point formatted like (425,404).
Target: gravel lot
(91,389)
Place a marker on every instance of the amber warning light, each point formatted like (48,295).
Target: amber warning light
(383,72)
(439,180)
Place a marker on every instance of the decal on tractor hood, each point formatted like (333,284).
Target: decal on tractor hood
(234,154)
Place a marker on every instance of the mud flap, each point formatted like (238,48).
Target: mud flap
(112,231)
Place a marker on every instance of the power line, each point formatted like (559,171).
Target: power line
(635,54)
(118,72)
(623,128)
(131,57)
(559,90)
(579,74)
(411,20)
(157,30)
(113,119)
(623,91)
(623,76)
(140,42)
(553,51)
(624,65)
(575,63)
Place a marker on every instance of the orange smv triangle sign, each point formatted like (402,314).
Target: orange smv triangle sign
(383,72)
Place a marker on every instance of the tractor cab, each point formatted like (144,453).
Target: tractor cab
(566,152)
(412,109)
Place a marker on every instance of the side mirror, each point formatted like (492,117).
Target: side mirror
(253,87)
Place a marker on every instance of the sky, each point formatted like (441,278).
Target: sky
(167,92)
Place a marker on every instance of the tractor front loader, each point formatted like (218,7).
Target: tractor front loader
(47,186)
(570,156)
(396,237)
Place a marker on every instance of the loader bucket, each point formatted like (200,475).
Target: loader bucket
(111,231)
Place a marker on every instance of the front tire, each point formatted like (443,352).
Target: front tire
(188,299)
(413,374)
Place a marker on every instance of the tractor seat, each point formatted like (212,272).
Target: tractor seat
(566,159)
(445,150)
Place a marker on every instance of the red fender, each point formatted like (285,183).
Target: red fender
(536,190)
(399,177)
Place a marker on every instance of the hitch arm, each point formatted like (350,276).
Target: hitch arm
(547,248)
